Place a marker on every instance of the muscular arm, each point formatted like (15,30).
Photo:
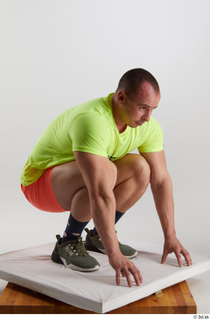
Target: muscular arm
(162,190)
(99,176)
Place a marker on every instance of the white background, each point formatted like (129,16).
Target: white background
(55,54)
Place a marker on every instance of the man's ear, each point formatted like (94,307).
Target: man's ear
(121,96)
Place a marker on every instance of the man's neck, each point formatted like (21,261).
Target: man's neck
(121,125)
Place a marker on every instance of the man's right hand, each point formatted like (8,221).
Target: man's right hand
(123,266)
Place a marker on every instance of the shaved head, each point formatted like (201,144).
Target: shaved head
(131,82)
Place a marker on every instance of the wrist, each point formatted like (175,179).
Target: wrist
(169,234)
(115,256)
(113,251)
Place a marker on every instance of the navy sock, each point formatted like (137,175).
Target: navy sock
(118,215)
(73,230)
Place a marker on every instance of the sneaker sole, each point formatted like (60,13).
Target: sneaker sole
(75,268)
(56,258)
(90,247)
(131,257)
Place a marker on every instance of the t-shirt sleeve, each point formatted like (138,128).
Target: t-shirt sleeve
(90,133)
(154,139)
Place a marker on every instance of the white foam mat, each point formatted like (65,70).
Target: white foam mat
(96,291)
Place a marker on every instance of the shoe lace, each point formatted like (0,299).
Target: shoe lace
(79,247)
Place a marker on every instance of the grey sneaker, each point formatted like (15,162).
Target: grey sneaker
(73,255)
(95,244)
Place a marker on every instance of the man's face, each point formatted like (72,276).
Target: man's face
(138,109)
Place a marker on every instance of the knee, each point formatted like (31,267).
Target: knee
(141,170)
(113,173)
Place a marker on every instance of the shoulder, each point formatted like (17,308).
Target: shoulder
(96,113)
(152,127)
(148,128)
(154,124)
(99,106)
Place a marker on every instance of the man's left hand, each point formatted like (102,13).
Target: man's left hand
(173,245)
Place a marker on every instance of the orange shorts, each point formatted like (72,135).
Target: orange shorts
(40,193)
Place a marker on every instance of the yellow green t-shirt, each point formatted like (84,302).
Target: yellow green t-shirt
(88,127)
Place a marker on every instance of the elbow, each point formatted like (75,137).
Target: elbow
(163,182)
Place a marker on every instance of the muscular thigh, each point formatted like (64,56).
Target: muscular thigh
(131,164)
(66,180)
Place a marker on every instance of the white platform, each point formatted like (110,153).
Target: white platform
(96,291)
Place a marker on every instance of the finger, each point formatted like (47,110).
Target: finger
(128,277)
(137,276)
(129,280)
(123,274)
(118,277)
(187,257)
(179,257)
(164,256)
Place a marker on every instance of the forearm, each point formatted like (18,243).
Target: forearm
(163,197)
(103,212)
